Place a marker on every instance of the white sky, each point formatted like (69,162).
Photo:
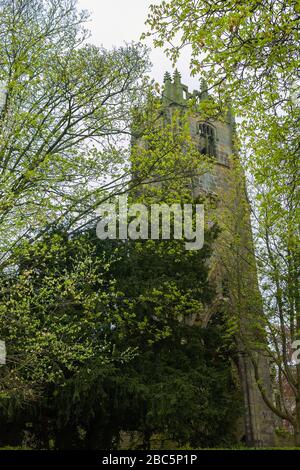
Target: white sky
(114,22)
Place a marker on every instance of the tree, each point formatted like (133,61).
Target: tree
(106,342)
(178,392)
(179,388)
(57,310)
(65,118)
(250,46)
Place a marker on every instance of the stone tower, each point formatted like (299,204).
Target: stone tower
(233,267)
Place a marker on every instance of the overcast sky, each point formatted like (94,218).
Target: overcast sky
(114,22)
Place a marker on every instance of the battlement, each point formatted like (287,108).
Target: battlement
(175,92)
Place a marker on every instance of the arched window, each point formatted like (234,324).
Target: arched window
(207,141)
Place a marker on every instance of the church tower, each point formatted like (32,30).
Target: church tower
(233,267)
